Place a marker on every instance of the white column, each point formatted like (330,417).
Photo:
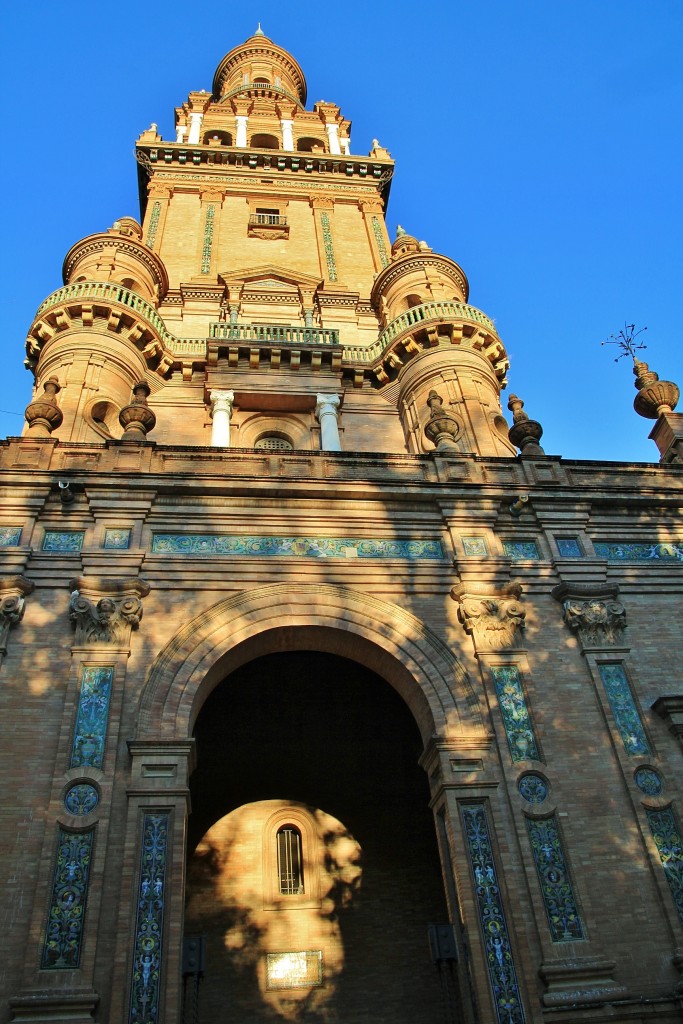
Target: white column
(195,128)
(346,146)
(180,132)
(326,411)
(333,138)
(241,132)
(221,411)
(287,135)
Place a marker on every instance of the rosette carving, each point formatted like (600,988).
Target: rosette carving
(493,616)
(106,611)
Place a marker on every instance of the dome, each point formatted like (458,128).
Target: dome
(259,60)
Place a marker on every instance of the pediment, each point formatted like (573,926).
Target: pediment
(272,277)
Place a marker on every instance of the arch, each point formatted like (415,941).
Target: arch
(383,637)
(308,144)
(264,141)
(217,137)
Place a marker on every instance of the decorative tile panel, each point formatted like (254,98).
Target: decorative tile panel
(624,709)
(498,950)
(648,781)
(328,246)
(521,550)
(564,920)
(379,238)
(81,799)
(116,540)
(515,713)
(66,541)
(639,552)
(91,718)
(475,547)
(667,837)
(149,921)
(294,547)
(9,536)
(569,547)
(153,224)
(64,929)
(208,238)
(533,788)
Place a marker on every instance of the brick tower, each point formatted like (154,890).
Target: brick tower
(323,704)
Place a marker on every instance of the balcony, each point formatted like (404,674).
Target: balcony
(273,334)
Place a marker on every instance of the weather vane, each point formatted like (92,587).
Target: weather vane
(626,340)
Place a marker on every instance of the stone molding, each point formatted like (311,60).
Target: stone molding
(580,980)
(592,611)
(13,590)
(492,615)
(104,611)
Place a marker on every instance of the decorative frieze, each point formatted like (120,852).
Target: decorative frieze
(294,547)
(521,550)
(620,552)
(497,947)
(64,929)
(13,591)
(153,224)
(493,616)
(593,612)
(149,923)
(63,541)
(104,612)
(379,238)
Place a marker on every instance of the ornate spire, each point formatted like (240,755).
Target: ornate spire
(524,433)
(259,31)
(654,396)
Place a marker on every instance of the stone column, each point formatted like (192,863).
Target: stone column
(180,132)
(241,131)
(195,128)
(333,139)
(326,411)
(221,411)
(287,135)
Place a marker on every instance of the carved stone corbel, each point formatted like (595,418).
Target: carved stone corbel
(104,611)
(13,590)
(492,615)
(592,611)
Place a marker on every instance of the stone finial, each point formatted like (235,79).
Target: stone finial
(654,396)
(13,590)
(524,433)
(137,419)
(493,616)
(106,611)
(592,611)
(442,429)
(43,415)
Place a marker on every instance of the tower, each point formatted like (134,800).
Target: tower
(326,705)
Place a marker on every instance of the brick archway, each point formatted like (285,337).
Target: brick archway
(383,637)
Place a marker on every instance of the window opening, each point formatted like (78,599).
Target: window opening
(289,861)
(271,442)
(263,216)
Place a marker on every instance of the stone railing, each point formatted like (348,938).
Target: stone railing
(273,334)
(428,312)
(107,291)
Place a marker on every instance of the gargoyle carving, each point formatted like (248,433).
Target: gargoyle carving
(493,616)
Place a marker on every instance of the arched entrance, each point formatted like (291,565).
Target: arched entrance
(313,870)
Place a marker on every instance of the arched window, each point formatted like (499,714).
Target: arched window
(263,141)
(273,442)
(310,145)
(290,864)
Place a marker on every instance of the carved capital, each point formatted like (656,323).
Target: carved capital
(593,612)
(493,616)
(104,611)
(13,590)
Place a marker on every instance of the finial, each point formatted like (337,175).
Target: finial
(259,31)
(524,433)
(400,232)
(441,428)
(654,396)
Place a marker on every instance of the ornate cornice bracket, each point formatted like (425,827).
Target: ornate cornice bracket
(592,611)
(492,615)
(13,590)
(104,611)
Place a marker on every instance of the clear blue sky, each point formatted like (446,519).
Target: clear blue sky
(538,143)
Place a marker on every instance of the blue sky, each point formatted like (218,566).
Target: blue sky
(538,143)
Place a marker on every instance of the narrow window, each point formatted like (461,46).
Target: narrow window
(289,861)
